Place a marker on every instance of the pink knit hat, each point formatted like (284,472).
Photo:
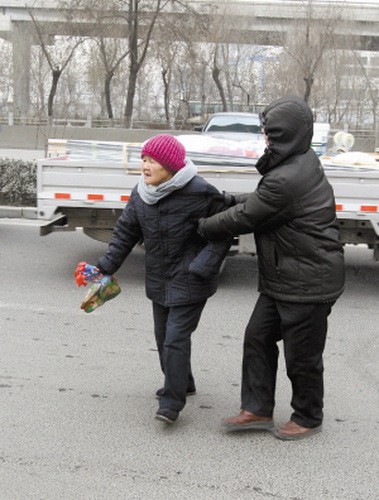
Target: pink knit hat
(166,150)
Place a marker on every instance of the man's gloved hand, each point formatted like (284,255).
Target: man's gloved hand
(228,198)
(201,228)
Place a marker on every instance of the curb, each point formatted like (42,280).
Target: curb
(7,212)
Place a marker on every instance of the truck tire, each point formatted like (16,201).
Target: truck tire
(103,235)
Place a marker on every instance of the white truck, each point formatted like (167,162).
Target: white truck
(89,183)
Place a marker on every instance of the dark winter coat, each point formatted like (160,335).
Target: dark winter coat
(291,212)
(181,266)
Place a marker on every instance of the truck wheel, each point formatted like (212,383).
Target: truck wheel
(103,235)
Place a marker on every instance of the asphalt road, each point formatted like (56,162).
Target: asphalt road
(77,390)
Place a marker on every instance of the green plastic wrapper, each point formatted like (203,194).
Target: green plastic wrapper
(100,292)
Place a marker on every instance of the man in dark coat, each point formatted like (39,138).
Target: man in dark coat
(301,271)
(181,267)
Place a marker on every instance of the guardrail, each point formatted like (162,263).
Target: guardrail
(366,139)
(89,122)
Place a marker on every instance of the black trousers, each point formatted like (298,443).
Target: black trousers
(173,327)
(303,328)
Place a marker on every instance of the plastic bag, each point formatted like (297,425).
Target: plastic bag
(103,287)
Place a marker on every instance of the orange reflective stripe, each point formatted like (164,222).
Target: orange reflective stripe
(369,208)
(95,197)
(62,196)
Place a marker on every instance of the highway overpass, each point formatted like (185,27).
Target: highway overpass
(252,21)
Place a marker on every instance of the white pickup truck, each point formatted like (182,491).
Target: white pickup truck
(88,184)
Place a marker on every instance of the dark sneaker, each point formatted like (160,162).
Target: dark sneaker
(167,415)
(159,393)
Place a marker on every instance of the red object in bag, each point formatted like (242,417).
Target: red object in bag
(79,274)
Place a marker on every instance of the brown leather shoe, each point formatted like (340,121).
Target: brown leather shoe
(248,421)
(291,431)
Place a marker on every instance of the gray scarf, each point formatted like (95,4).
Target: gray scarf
(152,194)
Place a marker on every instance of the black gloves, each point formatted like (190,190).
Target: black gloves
(200,228)
(227,198)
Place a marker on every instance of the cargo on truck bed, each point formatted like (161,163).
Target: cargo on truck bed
(88,183)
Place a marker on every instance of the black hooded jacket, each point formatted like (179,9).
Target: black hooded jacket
(291,212)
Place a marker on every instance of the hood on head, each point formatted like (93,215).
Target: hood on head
(288,124)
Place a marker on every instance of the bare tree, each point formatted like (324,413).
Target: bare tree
(165,51)
(142,18)
(219,50)
(57,60)
(203,68)
(135,21)
(193,72)
(192,80)
(137,13)
(105,15)
(111,61)
(177,53)
(328,93)
(6,73)
(233,63)
(311,36)
(39,76)
(216,75)
(372,88)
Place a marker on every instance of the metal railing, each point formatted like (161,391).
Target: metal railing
(366,139)
(89,122)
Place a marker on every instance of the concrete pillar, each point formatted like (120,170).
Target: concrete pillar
(21,40)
